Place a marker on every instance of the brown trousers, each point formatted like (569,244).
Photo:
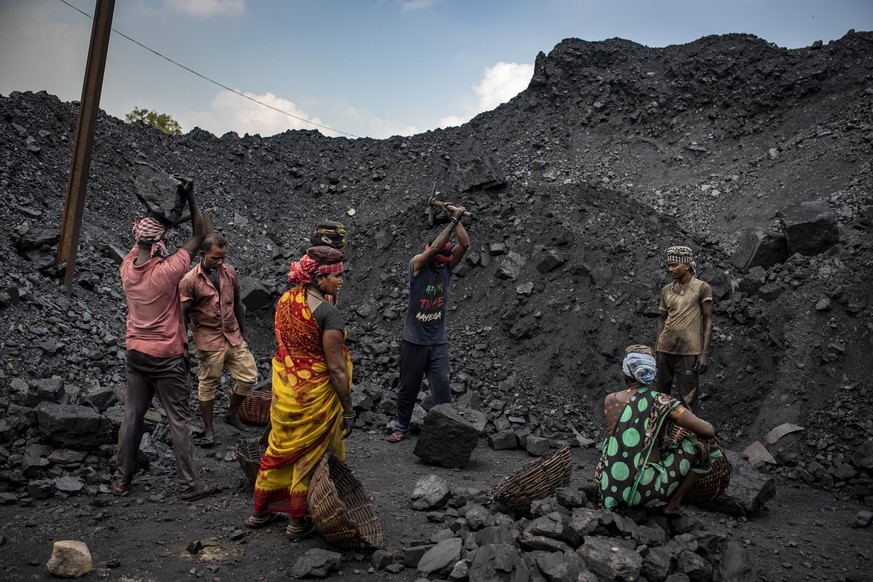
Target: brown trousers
(682,370)
(170,380)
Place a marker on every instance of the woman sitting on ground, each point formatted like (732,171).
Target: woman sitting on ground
(638,467)
(311,412)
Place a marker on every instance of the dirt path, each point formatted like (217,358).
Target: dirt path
(805,533)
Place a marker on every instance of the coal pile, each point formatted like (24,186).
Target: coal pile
(757,157)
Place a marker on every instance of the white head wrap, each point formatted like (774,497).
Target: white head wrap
(640,367)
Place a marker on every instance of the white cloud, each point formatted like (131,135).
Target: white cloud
(409,5)
(499,84)
(502,82)
(230,112)
(207,7)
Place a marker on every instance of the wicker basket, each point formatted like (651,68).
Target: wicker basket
(249,454)
(537,479)
(340,509)
(708,485)
(255,409)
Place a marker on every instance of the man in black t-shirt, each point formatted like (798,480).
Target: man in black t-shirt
(424,347)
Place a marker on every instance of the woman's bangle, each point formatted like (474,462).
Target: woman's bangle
(350,414)
(455,220)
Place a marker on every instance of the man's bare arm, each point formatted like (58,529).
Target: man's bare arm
(463,242)
(239,311)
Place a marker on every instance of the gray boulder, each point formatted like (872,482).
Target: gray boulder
(657,563)
(556,526)
(479,173)
(810,227)
(758,247)
(694,566)
(431,492)
(502,440)
(560,567)
(537,446)
(449,435)
(441,556)
(499,563)
(73,426)
(32,393)
(510,266)
(754,280)
(316,563)
(498,534)
(254,294)
(103,397)
(552,261)
(610,560)
(733,563)
(30,239)
(69,559)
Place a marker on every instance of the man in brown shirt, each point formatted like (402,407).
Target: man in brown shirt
(210,295)
(686,313)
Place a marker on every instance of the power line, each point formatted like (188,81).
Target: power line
(214,82)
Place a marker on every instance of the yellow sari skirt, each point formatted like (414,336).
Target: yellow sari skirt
(306,413)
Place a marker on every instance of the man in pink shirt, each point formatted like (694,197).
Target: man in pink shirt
(156,364)
(212,302)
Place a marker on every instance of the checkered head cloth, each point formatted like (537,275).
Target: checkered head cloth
(679,255)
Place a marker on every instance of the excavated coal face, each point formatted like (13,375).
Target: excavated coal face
(613,153)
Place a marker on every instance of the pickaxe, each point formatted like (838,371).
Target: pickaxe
(433,202)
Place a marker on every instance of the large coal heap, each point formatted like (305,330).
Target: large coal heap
(614,152)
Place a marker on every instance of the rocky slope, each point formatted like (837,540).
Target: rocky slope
(614,152)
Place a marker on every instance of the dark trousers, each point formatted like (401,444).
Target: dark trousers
(416,362)
(683,371)
(170,380)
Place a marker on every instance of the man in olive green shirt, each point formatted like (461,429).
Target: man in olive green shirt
(684,329)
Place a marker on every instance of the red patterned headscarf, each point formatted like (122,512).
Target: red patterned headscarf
(444,255)
(152,231)
(321,259)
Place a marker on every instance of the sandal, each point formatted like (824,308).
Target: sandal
(397,436)
(206,441)
(297,533)
(199,492)
(255,522)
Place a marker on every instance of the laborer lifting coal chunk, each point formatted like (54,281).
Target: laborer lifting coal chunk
(156,364)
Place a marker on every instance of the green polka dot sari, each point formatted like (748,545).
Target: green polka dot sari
(626,475)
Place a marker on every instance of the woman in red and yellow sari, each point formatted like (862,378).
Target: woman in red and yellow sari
(311,413)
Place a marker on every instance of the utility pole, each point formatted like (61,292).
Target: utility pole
(89,106)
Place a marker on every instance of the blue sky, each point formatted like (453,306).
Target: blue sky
(371,68)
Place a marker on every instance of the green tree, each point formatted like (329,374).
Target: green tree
(161,121)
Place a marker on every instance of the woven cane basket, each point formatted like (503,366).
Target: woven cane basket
(255,409)
(249,454)
(340,509)
(708,485)
(537,479)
